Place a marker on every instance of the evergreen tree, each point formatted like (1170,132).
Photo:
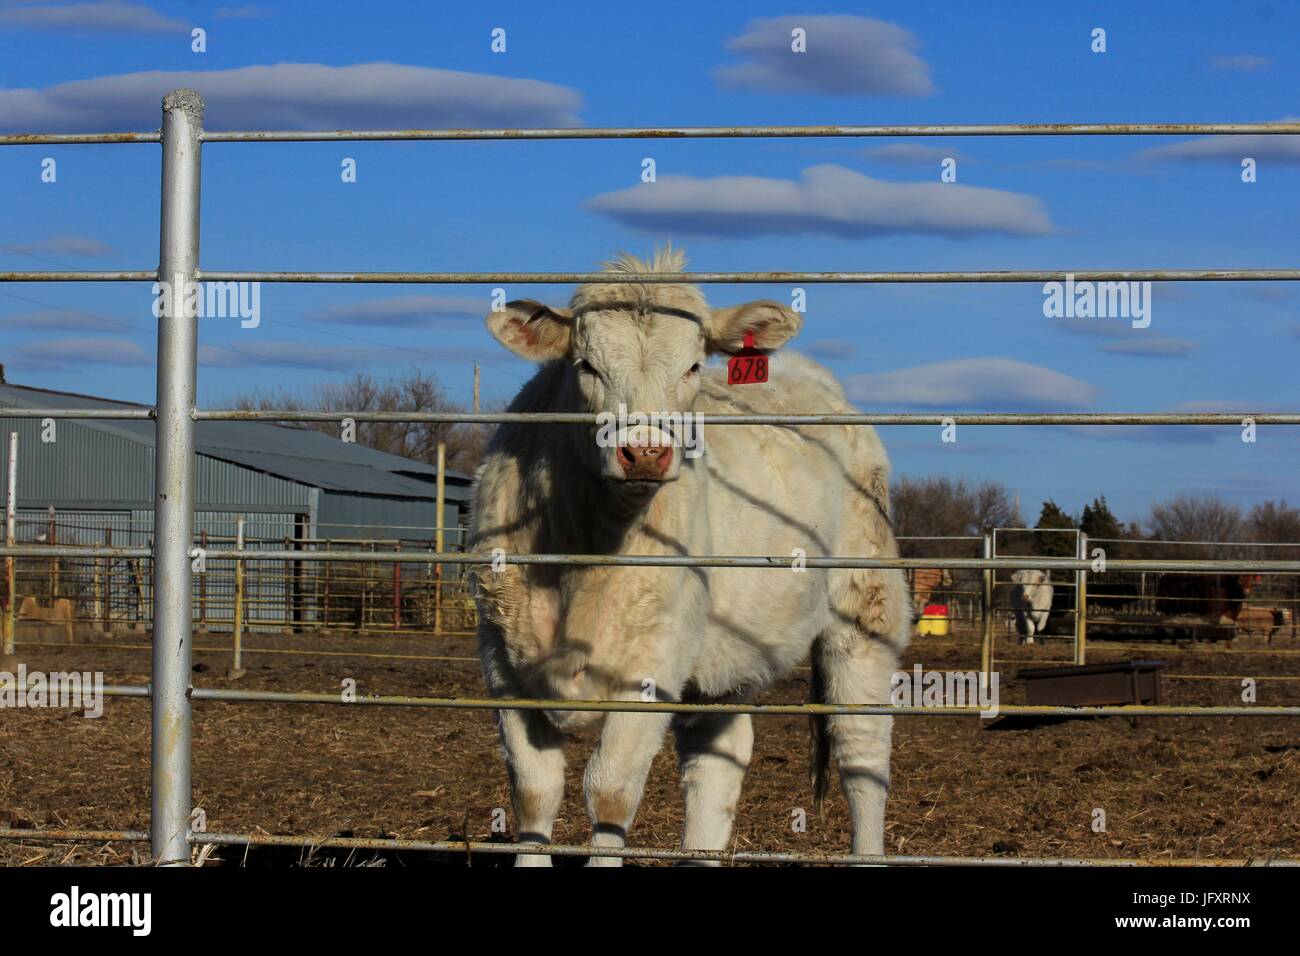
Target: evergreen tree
(1055,545)
(1099,522)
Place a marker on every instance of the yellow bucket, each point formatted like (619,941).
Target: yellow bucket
(934,621)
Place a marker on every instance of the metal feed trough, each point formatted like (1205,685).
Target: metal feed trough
(1094,685)
(171,695)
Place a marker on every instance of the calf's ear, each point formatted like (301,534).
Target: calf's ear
(772,324)
(531,330)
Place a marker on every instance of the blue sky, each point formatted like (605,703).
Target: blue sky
(811,204)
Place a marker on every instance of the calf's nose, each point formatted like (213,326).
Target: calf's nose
(645,461)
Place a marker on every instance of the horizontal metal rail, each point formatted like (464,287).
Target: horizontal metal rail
(667,707)
(759,132)
(784,562)
(673,132)
(765,561)
(72,551)
(73,835)
(554,278)
(471,847)
(1206,544)
(928,418)
(136,275)
(590,418)
(652,278)
(78,139)
(116,414)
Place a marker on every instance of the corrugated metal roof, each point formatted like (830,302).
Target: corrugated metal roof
(308,457)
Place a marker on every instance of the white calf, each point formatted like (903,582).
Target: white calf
(679,633)
(1031,597)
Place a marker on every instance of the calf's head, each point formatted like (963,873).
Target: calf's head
(634,352)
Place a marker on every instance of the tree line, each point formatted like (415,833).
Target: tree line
(413,391)
(954,508)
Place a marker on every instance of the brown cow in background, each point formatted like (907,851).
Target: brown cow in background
(925,583)
(1217,598)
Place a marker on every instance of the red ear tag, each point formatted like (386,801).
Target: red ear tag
(748,366)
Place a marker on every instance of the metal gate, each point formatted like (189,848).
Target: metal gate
(182,137)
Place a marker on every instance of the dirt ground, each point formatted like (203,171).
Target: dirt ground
(1169,787)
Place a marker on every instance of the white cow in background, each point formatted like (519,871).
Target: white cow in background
(690,634)
(1031,597)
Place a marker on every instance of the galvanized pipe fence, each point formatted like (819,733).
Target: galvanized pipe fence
(98,595)
(103,593)
(175,412)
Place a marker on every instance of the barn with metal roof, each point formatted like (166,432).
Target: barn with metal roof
(293,487)
(288,482)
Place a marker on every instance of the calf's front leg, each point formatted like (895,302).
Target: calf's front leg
(534,752)
(616,775)
(713,751)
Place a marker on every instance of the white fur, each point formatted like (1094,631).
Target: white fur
(1032,600)
(693,634)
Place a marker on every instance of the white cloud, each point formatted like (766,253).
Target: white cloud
(56,354)
(332,358)
(828,200)
(248,11)
(296,96)
(1146,434)
(830,349)
(995,383)
(407,311)
(1098,328)
(1246,62)
(81,247)
(1153,346)
(105,17)
(845,56)
(1278,148)
(1211,406)
(58,320)
(911,154)
(1127,340)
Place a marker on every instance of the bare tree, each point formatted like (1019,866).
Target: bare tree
(948,508)
(413,391)
(1196,518)
(1275,522)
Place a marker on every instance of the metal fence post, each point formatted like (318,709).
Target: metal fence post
(439,538)
(397,590)
(1081,606)
(325,607)
(237,667)
(52,538)
(203,586)
(174,479)
(7,625)
(986,619)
